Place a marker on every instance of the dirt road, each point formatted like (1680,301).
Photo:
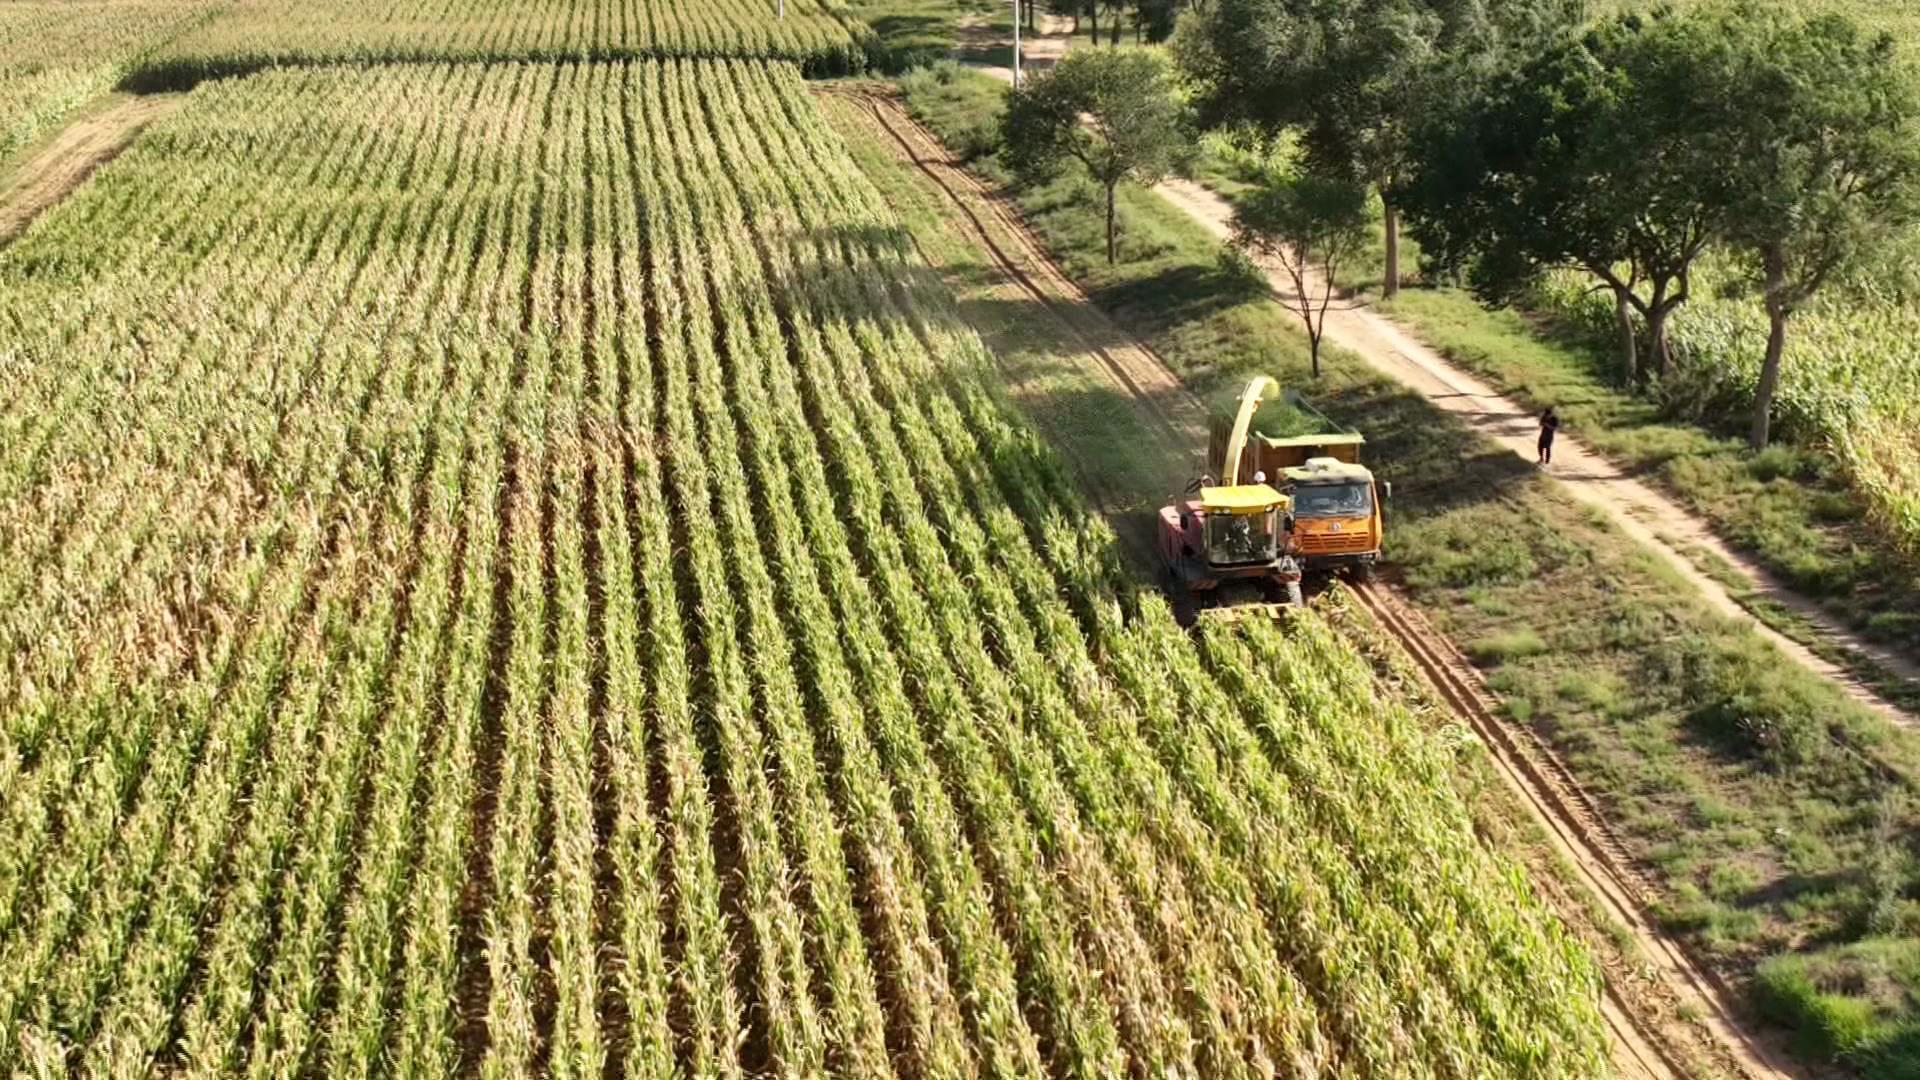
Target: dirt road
(56,166)
(1648,996)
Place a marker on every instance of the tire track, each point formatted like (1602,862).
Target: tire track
(1578,831)
(51,174)
(1177,415)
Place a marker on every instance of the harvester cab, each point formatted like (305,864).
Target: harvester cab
(1228,545)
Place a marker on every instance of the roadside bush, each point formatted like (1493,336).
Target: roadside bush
(1844,1004)
(1240,269)
(970,133)
(1744,696)
(1511,645)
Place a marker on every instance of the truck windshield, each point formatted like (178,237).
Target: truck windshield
(1332,500)
(1241,538)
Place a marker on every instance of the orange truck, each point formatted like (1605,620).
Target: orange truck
(1336,505)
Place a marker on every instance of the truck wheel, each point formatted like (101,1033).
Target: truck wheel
(1363,573)
(1294,595)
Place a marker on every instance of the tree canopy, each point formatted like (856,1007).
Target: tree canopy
(1631,151)
(1311,225)
(1113,110)
(1356,77)
(1609,153)
(1834,173)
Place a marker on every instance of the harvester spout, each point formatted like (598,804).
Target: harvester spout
(1236,445)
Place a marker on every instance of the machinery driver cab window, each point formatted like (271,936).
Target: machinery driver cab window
(1242,538)
(1332,500)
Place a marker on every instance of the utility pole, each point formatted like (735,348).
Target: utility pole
(783,8)
(1016,42)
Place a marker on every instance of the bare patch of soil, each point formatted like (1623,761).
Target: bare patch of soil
(60,164)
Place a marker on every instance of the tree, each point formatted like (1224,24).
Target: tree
(1831,171)
(1311,225)
(1357,77)
(1113,110)
(1615,154)
(1154,19)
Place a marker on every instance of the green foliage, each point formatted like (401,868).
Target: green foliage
(1845,1004)
(1311,225)
(1112,110)
(1316,219)
(1356,78)
(1508,645)
(1609,153)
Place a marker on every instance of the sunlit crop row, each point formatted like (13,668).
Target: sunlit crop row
(520,569)
(250,34)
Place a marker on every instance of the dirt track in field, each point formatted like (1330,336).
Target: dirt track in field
(56,167)
(1655,985)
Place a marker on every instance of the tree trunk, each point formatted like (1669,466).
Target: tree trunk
(1093,12)
(1390,215)
(1777,313)
(1313,349)
(1769,378)
(1113,35)
(1112,250)
(1657,337)
(1629,347)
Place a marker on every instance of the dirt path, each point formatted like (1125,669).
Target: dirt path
(1646,996)
(1038,50)
(58,165)
(1648,516)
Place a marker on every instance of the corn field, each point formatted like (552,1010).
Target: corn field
(520,569)
(247,35)
(57,54)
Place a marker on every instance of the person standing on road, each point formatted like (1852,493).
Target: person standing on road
(1549,425)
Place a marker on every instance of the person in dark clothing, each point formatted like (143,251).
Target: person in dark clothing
(1549,424)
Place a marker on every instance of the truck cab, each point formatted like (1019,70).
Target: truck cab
(1336,513)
